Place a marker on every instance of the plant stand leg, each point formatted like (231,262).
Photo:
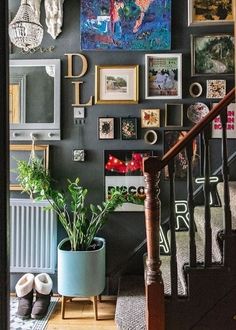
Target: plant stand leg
(95,307)
(63,306)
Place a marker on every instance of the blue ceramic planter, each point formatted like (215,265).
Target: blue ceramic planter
(81,273)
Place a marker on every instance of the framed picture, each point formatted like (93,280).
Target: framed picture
(173,115)
(116,84)
(210,12)
(212,54)
(23,152)
(181,162)
(106,128)
(125,25)
(123,168)
(163,76)
(150,118)
(216,89)
(128,128)
(231,123)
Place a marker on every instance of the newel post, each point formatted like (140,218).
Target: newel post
(155,304)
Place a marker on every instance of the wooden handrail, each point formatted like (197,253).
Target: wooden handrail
(198,128)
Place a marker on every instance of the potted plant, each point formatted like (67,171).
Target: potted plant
(81,256)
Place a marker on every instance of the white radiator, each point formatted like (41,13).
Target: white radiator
(33,237)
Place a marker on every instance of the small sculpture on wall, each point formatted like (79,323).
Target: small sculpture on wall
(54,16)
(35,5)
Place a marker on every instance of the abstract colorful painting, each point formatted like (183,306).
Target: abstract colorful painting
(125,25)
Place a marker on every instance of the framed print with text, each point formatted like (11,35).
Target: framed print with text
(163,76)
(123,168)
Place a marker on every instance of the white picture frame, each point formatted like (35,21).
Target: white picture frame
(163,76)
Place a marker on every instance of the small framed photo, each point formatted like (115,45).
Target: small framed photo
(231,123)
(210,12)
(163,76)
(173,115)
(128,128)
(116,84)
(216,89)
(106,128)
(212,54)
(150,118)
(78,155)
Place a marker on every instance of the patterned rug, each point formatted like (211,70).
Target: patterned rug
(18,324)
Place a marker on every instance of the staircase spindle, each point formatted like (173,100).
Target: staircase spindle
(173,260)
(155,305)
(207,210)
(226,201)
(192,241)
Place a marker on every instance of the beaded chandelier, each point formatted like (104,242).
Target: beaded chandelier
(25,30)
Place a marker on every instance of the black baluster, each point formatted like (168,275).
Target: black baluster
(173,261)
(207,211)
(226,202)
(192,242)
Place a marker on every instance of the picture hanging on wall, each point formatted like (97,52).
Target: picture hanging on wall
(212,54)
(116,84)
(181,162)
(231,123)
(23,152)
(216,89)
(150,118)
(123,168)
(125,25)
(128,128)
(163,76)
(202,12)
(106,128)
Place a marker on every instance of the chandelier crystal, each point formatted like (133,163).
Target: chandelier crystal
(25,30)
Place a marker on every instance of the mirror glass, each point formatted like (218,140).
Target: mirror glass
(34,97)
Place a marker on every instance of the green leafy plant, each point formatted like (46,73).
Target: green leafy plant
(81,222)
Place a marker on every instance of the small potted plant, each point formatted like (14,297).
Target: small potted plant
(81,256)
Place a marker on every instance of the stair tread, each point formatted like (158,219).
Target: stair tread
(232,192)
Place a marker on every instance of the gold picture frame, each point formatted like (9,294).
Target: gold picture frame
(117,84)
(150,118)
(22,152)
(213,12)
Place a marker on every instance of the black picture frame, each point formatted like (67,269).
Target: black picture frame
(123,168)
(171,137)
(106,128)
(128,128)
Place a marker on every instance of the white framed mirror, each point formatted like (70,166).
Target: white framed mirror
(34,99)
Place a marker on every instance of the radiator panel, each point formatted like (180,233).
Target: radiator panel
(33,237)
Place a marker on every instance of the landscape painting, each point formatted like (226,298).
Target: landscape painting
(213,54)
(206,12)
(125,25)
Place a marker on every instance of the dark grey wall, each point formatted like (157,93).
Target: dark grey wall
(124,231)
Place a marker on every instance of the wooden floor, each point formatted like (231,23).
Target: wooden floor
(79,315)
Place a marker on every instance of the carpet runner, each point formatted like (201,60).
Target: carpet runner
(131,289)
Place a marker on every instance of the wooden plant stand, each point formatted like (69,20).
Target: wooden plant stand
(94,300)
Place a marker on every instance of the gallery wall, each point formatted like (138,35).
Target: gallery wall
(124,231)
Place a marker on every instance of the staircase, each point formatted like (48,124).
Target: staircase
(194,287)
